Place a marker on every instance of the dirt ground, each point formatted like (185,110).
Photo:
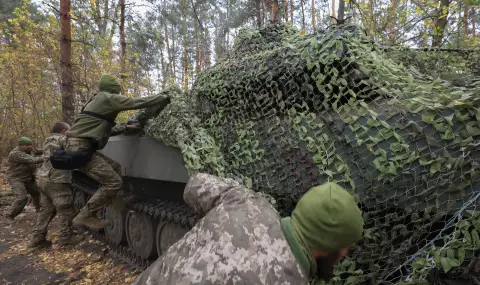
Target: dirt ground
(87,263)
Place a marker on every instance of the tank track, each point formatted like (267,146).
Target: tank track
(163,210)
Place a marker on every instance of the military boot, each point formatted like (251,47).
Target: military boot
(39,242)
(73,240)
(84,218)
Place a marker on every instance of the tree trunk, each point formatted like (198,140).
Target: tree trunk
(259,13)
(285,10)
(123,42)
(197,49)
(391,22)
(274,11)
(264,17)
(185,46)
(313,16)
(341,10)
(66,63)
(465,19)
(291,10)
(334,9)
(303,15)
(441,23)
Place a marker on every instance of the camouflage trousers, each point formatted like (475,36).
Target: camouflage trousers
(56,199)
(20,189)
(104,170)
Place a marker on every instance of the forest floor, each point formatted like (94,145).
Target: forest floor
(87,263)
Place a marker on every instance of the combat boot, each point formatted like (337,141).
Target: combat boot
(39,242)
(88,220)
(73,240)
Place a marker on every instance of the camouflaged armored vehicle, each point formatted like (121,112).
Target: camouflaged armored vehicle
(287,111)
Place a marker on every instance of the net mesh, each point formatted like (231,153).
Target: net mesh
(287,111)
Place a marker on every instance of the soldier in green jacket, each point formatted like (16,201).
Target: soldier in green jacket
(56,195)
(91,130)
(21,176)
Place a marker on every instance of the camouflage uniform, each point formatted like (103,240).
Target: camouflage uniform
(21,177)
(56,195)
(90,132)
(239,241)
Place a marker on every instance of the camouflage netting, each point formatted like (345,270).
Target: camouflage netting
(286,111)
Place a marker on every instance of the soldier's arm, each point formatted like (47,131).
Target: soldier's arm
(121,103)
(25,158)
(204,192)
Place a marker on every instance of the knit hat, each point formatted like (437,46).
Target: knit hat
(328,218)
(110,84)
(24,141)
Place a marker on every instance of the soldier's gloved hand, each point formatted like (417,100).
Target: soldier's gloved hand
(45,159)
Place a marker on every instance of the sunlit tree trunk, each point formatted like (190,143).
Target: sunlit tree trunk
(66,62)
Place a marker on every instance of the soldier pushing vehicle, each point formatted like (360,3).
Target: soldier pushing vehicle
(56,195)
(89,133)
(241,238)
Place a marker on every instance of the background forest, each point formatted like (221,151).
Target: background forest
(52,52)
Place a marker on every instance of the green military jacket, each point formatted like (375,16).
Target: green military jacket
(22,165)
(109,105)
(47,172)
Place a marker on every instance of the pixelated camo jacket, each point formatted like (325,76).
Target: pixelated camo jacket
(238,241)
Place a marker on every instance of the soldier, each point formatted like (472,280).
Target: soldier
(56,195)
(90,131)
(242,240)
(21,176)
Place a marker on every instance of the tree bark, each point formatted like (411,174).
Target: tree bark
(285,10)
(291,10)
(441,23)
(66,63)
(303,15)
(123,42)
(259,13)
(341,10)
(197,49)
(274,11)
(465,19)
(333,9)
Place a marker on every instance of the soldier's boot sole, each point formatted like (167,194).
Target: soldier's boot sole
(72,241)
(39,243)
(91,222)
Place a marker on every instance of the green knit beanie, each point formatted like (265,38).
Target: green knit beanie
(24,141)
(110,84)
(328,218)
